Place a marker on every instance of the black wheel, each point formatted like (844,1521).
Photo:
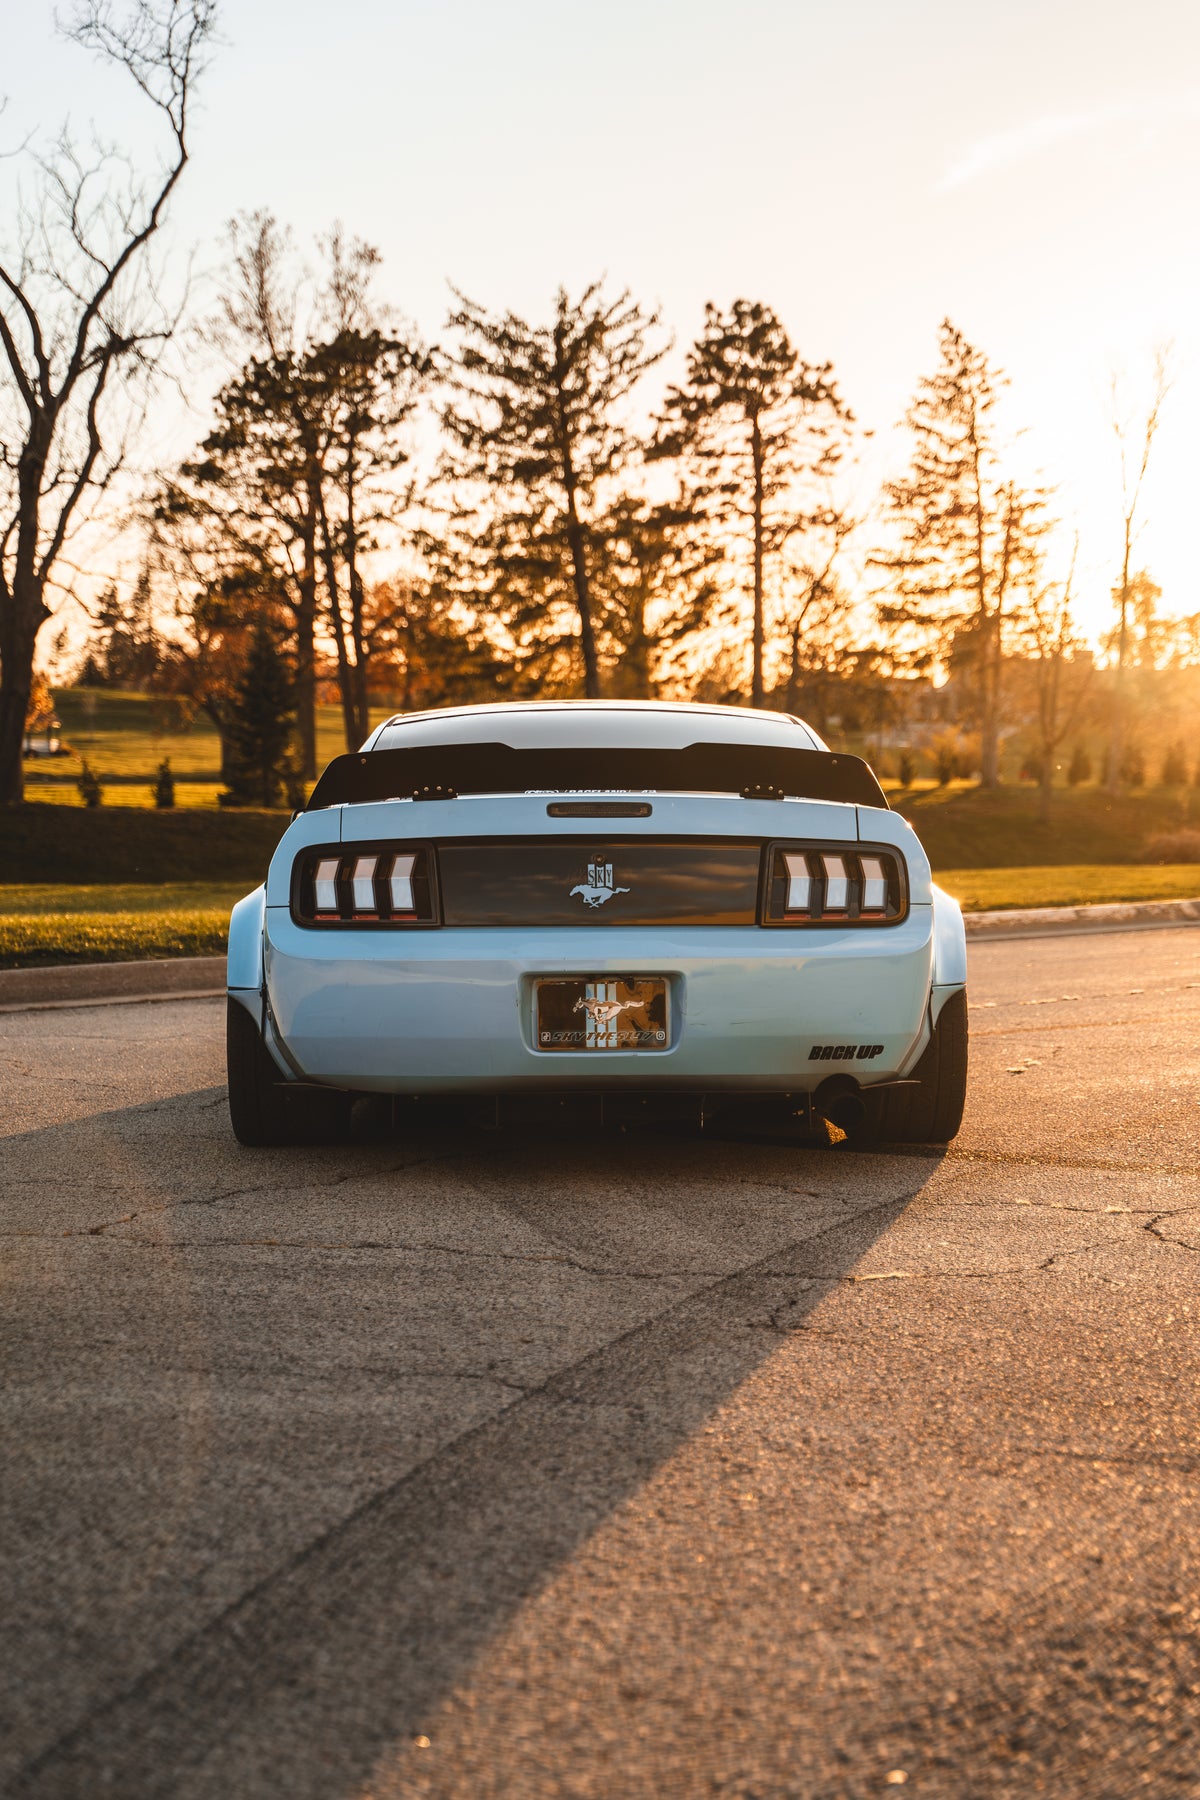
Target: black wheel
(932,1112)
(262,1108)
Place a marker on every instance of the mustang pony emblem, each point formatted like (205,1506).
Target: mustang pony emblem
(599,885)
(603,1012)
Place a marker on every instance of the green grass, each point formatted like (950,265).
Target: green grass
(21,899)
(126,736)
(1079,884)
(964,827)
(44,939)
(46,923)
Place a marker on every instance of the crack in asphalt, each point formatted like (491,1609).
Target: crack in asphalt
(1152,1225)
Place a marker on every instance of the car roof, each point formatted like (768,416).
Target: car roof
(550,724)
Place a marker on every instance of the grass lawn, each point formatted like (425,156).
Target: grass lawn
(965,827)
(46,923)
(128,735)
(23,899)
(1078,884)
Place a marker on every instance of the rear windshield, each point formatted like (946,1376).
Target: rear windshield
(444,771)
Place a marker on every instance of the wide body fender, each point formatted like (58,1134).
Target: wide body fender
(244,957)
(949,951)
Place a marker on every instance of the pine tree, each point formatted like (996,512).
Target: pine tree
(763,431)
(966,537)
(539,443)
(163,787)
(260,724)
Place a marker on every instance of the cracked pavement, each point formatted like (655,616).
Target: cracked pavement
(616,1464)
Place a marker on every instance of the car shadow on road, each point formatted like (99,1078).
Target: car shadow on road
(339,1656)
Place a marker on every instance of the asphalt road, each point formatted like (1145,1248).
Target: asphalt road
(615,1466)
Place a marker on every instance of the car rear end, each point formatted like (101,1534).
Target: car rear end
(684,942)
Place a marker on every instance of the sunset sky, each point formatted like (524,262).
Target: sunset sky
(1029,169)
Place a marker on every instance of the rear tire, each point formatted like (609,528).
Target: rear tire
(932,1112)
(263,1109)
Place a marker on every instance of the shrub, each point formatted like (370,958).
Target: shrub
(1180,846)
(1080,769)
(163,787)
(90,785)
(1174,767)
(906,768)
(947,755)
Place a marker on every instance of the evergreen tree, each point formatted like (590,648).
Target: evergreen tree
(966,538)
(539,442)
(259,725)
(163,787)
(762,431)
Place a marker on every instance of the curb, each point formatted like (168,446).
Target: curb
(1035,921)
(108,984)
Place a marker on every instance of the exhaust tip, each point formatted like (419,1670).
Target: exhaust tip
(839,1100)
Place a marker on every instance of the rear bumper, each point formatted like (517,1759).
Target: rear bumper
(452,1011)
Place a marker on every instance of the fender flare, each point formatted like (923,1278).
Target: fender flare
(949,972)
(244,957)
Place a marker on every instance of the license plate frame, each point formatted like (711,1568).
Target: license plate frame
(573,1014)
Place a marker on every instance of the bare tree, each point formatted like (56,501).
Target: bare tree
(81,325)
(1135,435)
(1063,672)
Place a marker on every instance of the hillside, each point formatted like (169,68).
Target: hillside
(962,827)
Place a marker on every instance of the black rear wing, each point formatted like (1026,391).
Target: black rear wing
(444,771)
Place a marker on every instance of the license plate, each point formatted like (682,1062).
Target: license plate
(601,1013)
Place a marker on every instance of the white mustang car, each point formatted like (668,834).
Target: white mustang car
(607,908)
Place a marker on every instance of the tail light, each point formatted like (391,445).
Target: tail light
(808,886)
(371,885)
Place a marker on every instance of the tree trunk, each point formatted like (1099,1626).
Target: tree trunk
(215,718)
(306,674)
(989,749)
(345,674)
(22,615)
(756,650)
(575,539)
(583,601)
(16,685)
(633,679)
(362,711)
(1045,786)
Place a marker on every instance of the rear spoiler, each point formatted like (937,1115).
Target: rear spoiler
(444,771)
